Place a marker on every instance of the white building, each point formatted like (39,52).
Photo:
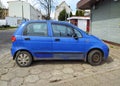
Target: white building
(24,10)
(1,5)
(61,7)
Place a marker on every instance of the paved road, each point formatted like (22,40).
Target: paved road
(5,41)
(61,73)
(5,36)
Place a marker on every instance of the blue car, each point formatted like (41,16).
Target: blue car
(47,39)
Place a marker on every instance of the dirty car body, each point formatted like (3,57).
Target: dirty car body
(40,40)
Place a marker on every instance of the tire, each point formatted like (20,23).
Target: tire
(95,57)
(23,59)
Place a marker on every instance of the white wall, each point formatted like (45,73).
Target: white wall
(26,10)
(106,21)
(35,14)
(13,21)
(0,4)
(82,24)
(2,22)
(15,10)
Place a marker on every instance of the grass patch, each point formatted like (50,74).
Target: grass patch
(111,46)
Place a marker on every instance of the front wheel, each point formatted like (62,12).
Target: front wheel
(95,57)
(23,59)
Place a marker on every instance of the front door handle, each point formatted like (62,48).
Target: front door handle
(57,39)
(27,38)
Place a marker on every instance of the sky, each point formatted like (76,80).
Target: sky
(72,4)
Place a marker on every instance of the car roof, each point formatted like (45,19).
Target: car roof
(52,21)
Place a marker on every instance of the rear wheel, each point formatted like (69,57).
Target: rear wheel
(23,59)
(95,57)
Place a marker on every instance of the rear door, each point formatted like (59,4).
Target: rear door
(37,40)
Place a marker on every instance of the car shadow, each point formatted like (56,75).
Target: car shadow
(108,61)
(52,62)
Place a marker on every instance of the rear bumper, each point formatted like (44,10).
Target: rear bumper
(12,52)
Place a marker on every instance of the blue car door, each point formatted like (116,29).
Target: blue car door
(37,40)
(65,46)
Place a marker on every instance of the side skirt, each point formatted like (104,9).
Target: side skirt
(59,56)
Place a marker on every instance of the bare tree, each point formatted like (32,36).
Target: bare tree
(47,6)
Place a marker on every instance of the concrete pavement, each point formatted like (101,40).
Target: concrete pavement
(5,41)
(109,78)
(61,73)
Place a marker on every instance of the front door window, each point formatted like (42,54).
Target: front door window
(62,31)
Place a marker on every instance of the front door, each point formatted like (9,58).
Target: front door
(65,46)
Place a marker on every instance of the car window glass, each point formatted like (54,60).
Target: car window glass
(36,29)
(70,31)
(78,33)
(62,31)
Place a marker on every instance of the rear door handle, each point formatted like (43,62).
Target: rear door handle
(27,38)
(57,39)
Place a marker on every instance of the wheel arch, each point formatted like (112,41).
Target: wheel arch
(92,50)
(20,51)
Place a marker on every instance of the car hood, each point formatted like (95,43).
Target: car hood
(96,39)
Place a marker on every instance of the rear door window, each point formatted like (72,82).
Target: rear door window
(36,29)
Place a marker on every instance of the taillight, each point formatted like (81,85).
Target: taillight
(13,38)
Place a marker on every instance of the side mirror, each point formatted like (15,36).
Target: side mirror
(75,36)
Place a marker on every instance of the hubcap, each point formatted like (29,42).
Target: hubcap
(96,58)
(23,59)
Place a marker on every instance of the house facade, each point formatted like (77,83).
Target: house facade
(105,18)
(61,7)
(24,10)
